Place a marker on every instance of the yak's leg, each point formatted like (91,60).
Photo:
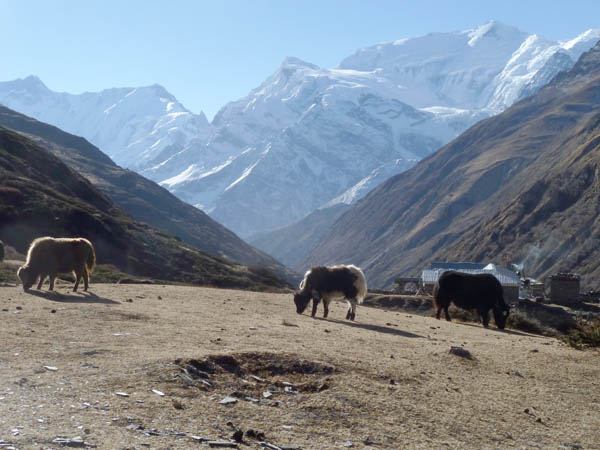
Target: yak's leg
(351,309)
(485,318)
(78,276)
(316,296)
(438,313)
(446,313)
(314,308)
(86,279)
(42,278)
(52,278)
(325,307)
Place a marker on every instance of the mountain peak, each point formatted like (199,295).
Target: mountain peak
(160,91)
(292,61)
(491,30)
(32,82)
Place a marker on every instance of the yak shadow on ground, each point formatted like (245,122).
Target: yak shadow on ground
(76,297)
(505,331)
(371,327)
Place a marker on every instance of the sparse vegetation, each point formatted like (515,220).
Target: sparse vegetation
(520,320)
(8,274)
(585,335)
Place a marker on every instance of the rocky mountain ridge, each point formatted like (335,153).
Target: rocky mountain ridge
(518,187)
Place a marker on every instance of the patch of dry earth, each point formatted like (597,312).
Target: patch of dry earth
(388,377)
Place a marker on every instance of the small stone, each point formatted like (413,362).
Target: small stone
(267,394)
(459,351)
(228,401)
(177,404)
(122,394)
(198,438)
(51,368)
(348,444)
(221,444)
(157,392)
(74,442)
(238,436)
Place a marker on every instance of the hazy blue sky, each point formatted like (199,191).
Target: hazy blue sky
(209,53)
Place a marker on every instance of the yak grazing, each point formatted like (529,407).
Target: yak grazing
(471,291)
(49,256)
(328,283)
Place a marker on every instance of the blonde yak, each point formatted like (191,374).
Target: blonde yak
(49,256)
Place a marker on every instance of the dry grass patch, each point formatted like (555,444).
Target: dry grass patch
(585,335)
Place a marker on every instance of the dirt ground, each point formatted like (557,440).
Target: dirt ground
(147,366)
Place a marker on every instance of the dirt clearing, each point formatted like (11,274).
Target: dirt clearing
(147,366)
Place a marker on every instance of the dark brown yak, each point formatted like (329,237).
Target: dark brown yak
(481,292)
(49,256)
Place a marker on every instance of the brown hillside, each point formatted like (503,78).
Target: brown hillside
(521,186)
(139,197)
(40,195)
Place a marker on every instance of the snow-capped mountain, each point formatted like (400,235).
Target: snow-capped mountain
(308,136)
(487,68)
(316,133)
(131,125)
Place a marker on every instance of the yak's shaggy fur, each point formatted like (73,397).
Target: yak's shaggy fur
(328,283)
(1,251)
(481,292)
(49,256)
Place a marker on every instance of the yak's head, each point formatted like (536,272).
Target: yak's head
(501,313)
(301,300)
(27,276)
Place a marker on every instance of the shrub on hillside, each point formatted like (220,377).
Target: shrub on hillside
(585,335)
(520,320)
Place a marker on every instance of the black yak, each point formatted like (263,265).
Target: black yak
(481,292)
(328,283)
(49,256)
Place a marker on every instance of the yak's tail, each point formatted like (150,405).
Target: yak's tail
(91,259)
